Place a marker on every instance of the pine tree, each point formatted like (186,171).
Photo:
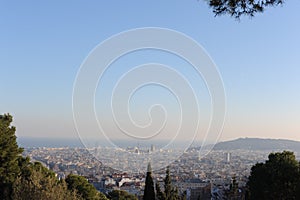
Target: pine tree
(277,178)
(37,182)
(82,187)
(233,194)
(170,193)
(168,185)
(9,155)
(175,194)
(149,193)
(159,194)
(21,179)
(238,8)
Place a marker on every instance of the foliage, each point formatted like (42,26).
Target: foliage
(121,195)
(149,193)
(85,190)
(170,193)
(21,179)
(237,8)
(9,154)
(277,178)
(233,192)
(175,194)
(102,196)
(159,194)
(168,185)
(184,196)
(37,182)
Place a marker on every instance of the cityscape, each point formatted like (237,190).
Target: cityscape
(150,100)
(209,176)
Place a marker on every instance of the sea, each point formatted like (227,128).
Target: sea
(32,142)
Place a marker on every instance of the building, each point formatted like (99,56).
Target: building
(195,188)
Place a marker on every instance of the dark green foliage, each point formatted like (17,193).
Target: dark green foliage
(237,8)
(277,178)
(159,194)
(37,182)
(27,168)
(121,195)
(82,187)
(21,179)
(184,197)
(233,193)
(9,154)
(168,185)
(170,192)
(102,196)
(175,194)
(149,193)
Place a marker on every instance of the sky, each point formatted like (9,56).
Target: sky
(43,44)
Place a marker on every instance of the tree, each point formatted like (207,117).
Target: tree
(175,194)
(83,187)
(9,154)
(21,179)
(237,8)
(149,193)
(37,182)
(159,194)
(184,195)
(233,193)
(102,196)
(170,193)
(277,178)
(168,185)
(121,195)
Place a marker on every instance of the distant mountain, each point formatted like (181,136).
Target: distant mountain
(259,144)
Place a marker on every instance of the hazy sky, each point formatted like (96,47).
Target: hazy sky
(42,45)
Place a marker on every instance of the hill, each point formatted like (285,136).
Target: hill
(259,144)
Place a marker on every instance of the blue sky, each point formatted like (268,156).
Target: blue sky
(42,45)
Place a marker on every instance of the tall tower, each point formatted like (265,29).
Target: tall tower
(152,148)
(228,157)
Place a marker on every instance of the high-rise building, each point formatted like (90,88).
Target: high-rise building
(228,157)
(152,148)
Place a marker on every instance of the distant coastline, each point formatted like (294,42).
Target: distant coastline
(31,142)
(240,143)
